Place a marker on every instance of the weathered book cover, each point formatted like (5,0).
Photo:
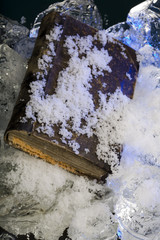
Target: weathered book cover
(73,74)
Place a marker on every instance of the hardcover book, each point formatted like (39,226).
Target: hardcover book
(76,81)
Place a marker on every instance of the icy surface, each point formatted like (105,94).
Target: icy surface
(16,36)
(11,31)
(24,47)
(82,10)
(12,69)
(36,196)
(138,207)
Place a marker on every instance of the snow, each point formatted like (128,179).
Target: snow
(88,222)
(136,182)
(55,34)
(74,145)
(143,113)
(137,189)
(86,150)
(45,199)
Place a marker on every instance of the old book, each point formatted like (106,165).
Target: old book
(74,75)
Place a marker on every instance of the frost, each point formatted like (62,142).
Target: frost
(55,34)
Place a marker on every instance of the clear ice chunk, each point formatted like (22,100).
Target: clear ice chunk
(24,47)
(82,10)
(12,68)
(16,36)
(11,31)
(145,21)
(141,27)
(138,207)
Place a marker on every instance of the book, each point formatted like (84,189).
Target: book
(74,75)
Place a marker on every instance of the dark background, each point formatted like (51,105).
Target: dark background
(116,10)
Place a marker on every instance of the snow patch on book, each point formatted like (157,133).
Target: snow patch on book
(72,100)
(55,33)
